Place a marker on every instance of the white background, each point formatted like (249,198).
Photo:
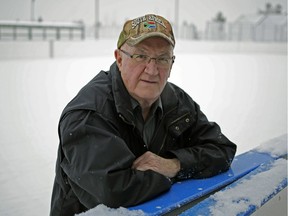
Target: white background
(245,93)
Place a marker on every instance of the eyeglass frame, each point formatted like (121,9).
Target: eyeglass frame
(148,59)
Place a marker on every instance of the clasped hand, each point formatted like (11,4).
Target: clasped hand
(151,161)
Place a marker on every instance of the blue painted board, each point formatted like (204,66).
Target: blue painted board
(187,191)
(204,208)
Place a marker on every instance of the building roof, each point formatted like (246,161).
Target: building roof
(267,19)
(40,24)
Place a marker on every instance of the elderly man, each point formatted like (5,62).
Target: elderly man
(129,134)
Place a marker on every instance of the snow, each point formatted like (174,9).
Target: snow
(275,147)
(246,93)
(254,189)
(250,192)
(104,210)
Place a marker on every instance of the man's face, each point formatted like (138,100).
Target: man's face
(145,80)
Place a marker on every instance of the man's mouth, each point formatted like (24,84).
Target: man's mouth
(149,81)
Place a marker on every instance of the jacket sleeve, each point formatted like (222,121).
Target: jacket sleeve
(206,152)
(98,163)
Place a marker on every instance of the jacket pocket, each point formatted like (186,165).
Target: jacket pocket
(180,125)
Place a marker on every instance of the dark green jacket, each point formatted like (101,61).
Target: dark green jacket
(99,142)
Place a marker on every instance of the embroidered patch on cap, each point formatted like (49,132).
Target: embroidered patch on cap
(150,24)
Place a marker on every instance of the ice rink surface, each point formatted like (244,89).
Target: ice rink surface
(245,93)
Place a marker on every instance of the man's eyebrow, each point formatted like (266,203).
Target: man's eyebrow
(141,49)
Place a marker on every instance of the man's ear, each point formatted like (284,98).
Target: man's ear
(170,70)
(118,58)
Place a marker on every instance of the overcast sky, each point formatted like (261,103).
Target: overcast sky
(116,11)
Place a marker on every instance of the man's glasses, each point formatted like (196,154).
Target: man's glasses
(141,58)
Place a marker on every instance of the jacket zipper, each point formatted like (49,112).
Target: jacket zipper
(134,127)
(162,143)
(165,132)
(176,120)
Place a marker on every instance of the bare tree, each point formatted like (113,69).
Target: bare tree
(269,9)
(219,18)
(278,9)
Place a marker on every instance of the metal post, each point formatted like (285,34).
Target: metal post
(44,33)
(51,49)
(82,33)
(177,17)
(32,10)
(71,33)
(14,33)
(30,33)
(97,19)
(58,33)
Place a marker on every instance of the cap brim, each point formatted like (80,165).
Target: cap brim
(133,41)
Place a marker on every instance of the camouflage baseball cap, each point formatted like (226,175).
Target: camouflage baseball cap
(136,30)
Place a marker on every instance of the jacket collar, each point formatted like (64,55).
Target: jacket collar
(121,95)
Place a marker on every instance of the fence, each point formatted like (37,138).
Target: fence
(213,31)
(218,32)
(21,30)
(246,32)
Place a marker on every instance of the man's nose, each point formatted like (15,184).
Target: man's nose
(151,67)
(155,60)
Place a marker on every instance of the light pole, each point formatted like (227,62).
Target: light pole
(177,17)
(97,19)
(32,10)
